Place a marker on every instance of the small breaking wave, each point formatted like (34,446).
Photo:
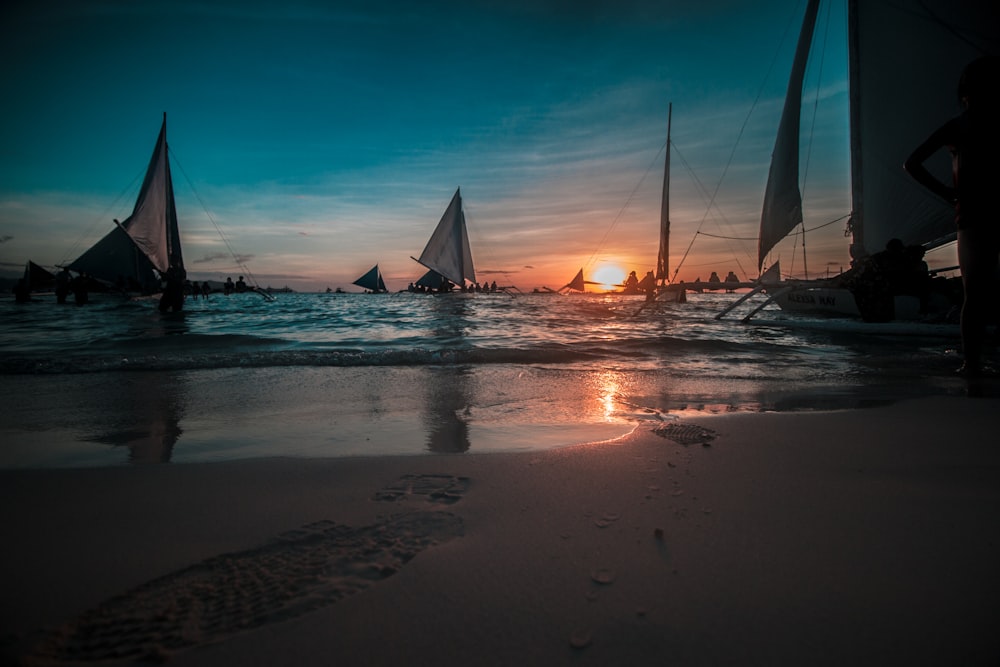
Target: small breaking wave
(194,352)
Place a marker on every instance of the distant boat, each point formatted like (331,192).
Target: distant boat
(137,253)
(578,284)
(35,279)
(447,253)
(904,63)
(372,281)
(38,278)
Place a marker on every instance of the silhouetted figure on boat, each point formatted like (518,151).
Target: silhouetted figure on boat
(647,284)
(241,285)
(876,280)
(631,283)
(973,139)
(229,287)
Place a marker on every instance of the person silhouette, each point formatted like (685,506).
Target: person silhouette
(22,293)
(973,139)
(63,280)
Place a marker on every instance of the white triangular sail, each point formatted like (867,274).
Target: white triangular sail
(782,199)
(147,239)
(153,223)
(448,252)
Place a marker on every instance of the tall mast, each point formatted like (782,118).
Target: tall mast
(663,258)
(856,223)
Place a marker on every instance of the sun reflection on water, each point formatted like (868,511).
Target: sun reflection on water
(607,389)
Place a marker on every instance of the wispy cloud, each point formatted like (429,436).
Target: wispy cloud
(322,138)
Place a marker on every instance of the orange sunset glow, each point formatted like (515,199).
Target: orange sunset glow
(608,277)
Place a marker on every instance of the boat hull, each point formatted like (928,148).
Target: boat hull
(839,302)
(833,301)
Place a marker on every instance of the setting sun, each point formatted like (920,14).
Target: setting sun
(608,277)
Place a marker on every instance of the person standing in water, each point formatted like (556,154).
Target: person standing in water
(973,139)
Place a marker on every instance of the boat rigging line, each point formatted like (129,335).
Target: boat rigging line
(239,262)
(732,154)
(754,238)
(74,250)
(506,274)
(614,223)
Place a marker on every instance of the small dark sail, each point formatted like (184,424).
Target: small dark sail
(372,280)
(577,283)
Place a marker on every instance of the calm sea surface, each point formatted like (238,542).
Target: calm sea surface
(349,374)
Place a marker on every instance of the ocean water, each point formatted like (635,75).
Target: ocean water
(319,375)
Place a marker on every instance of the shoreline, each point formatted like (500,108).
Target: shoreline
(852,537)
(152,417)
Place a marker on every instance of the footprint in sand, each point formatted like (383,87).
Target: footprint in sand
(446,489)
(685,434)
(297,572)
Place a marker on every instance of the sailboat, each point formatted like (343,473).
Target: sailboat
(578,284)
(447,253)
(146,248)
(905,59)
(656,284)
(372,281)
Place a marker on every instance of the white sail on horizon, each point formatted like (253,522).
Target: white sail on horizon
(448,252)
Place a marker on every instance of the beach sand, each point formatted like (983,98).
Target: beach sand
(854,537)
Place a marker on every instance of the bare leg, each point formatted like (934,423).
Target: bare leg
(977,258)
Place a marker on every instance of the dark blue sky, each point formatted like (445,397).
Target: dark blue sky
(324,137)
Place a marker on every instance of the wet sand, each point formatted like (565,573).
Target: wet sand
(852,537)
